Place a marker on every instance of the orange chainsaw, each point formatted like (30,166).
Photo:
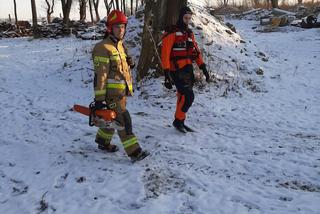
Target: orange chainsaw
(102,118)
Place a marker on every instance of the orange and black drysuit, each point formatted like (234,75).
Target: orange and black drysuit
(179,51)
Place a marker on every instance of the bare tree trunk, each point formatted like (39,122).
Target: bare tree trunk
(299,2)
(131,7)
(255,3)
(96,9)
(83,10)
(90,9)
(274,3)
(124,6)
(10,19)
(158,15)
(36,33)
(108,6)
(117,4)
(49,9)
(15,13)
(66,8)
(136,5)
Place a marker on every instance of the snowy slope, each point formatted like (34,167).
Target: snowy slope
(255,153)
(231,60)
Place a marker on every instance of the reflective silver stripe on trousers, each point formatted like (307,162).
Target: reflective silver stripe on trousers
(179,49)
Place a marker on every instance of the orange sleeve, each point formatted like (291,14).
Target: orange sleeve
(199,59)
(167,43)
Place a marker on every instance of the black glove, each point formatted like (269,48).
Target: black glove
(130,62)
(167,79)
(203,67)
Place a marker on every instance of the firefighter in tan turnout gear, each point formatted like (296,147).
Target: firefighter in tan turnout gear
(112,85)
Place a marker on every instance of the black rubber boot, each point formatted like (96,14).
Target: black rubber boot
(187,128)
(178,124)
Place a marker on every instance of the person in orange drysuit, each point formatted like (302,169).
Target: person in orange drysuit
(179,50)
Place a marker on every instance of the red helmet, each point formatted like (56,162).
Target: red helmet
(115,17)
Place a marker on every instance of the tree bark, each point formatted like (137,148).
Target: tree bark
(158,15)
(15,13)
(49,10)
(274,3)
(83,10)
(117,4)
(35,29)
(108,6)
(136,5)
(131,7)
(96,9)
(90,9)
(66,7)
(124,6)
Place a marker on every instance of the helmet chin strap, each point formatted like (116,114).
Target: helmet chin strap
(113,37)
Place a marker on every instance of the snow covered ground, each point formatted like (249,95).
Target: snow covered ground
(253,152)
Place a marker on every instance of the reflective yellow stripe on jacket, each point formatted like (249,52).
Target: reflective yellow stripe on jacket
(103,59)
(118,57)
(113,84)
